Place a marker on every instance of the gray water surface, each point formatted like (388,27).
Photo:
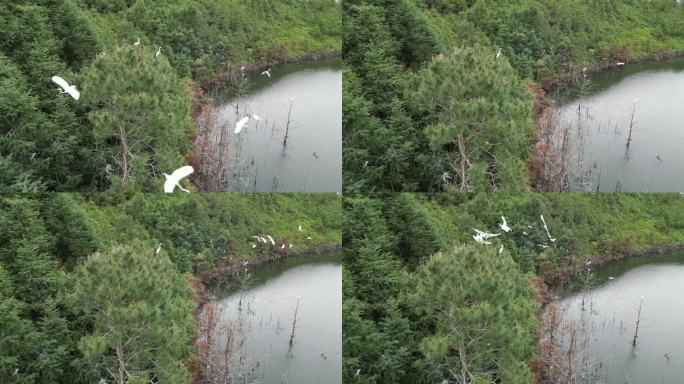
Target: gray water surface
(265,312)
(600,129)
(310,96)
(608,321)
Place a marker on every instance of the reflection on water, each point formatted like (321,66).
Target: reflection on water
(262,316)
(296,146)
(605,318)
(649,98)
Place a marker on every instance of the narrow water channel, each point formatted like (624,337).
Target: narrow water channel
(642,105)
(605,314)
(262,312)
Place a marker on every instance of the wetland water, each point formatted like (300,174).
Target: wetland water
(262,316)
(600,118)
(608,321)
(307,97)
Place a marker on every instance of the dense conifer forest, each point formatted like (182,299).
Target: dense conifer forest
(104,287)
(439,94)
(424,303)
(133,120)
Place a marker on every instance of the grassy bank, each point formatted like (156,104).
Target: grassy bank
(471,128)
(85,280)
(426,294)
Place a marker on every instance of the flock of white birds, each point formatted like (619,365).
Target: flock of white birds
(172,180)
(481,236)
(269,240)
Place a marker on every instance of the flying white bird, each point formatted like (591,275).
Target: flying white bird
(137,42)
(308,237)
(255,117)
(498,54)
(242,68)
(504,226)
(480,239)
(290,245)
(543,246)
(525,233)
(241,123)
(271,239)
(553,240)
(611,278)
(66,88)
(244,263)
(588,263)
(501,249)
(584,69)
(172,180)
(282,246)
(253,245)
(485,235)
(267,72)
(620,64)
(357,373)
(158,52)
(159,248)
(300,228)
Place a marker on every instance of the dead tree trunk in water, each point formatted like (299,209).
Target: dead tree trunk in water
(636,331)
(287,126)
(294,323)
(631,124)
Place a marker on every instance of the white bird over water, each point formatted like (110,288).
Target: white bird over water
(172,180)
(241,123)
(267,72)
(553,240)
(66,88)
(504,226)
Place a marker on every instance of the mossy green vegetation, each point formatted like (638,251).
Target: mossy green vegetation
(50,142)
(83,289)
(470,127)
(423,302)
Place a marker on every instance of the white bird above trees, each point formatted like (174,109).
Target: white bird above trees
(66,88)
(158,249)
(173,180)
(498,54)
(300,228)
(271,239)
(553,240)
(158,52)
(482,237)
(504,226)
(137,42)
(267,72)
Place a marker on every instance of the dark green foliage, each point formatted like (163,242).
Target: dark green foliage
(141,313)
(140,115)
(421,298)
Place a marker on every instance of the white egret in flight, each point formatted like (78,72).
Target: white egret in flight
(253,245)
(137,42)
(504,226)
(267,72)
(553,240)
(282,246)
(158,52)
(158,249)
(501,249)
(498,54)
(172,180)
(290,245)
(357,373)
(308,238)
(66,88)
(481,237)
(271,239)
(611,278)
(241,123)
